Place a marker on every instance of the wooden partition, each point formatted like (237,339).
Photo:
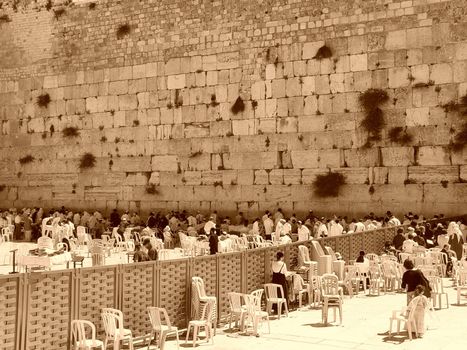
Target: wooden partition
(36,308)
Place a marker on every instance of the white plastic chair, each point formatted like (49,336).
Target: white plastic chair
(78,336)
(272,298)
(332,296)
(237,309)
(303,290)
(7,234)
(205,322)
(113,326)
(437,291)
(161,326)
(199,298)
(407,316)
(461,284)
(254,312)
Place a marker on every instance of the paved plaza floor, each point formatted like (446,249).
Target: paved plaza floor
(365,327)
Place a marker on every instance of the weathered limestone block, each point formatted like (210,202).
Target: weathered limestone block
(176,81)
(135,179)
(127,102)
(209,62)
(197,130)
(276,177)
(398,77)
(211,177)
(434,174)
(164,163)
(453,193)
(353,175)
(287,125)
(309,175)
(396,40)
(228,60)
(293,87)
(292,176)
(131,164)
(200,162)
(358,62)
(421,73)
(305,159)
(441,73)
(265,126)
(278,193)
(308,86)
(418,116)
(361,157)
(245,177)
(397,156)
(378,175)
(322,84)
(243,127)
(397,174)
(278,88)
(337,82)
(433,155)
(118,87)
(220,128)
(261,177)
(419,37)
(311,123)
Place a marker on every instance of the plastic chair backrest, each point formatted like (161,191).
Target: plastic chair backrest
(113,321)
(235,301)
(329,285)
(158,317)
(258,293)
(208,308)
(78,331)
(411,308)
(318,248)
(304,253)
(331,252)
(271,290)
(127,235)
(198,283)
(45,242)
(372,257)
(436,284)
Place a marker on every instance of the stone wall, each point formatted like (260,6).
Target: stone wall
(155,106)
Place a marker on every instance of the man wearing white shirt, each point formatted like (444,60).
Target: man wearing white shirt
(303,232)
(359,226)
(255,228)
(192,221)
(322,229)
(279,228)
(409,244)
(265,216)
(335,228)
(393,221)
(208,226)
(268,226)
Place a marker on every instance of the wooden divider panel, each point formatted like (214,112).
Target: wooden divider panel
(138,292)
(292,255)
(49,307)
(230,279)
(173,290)
(10,311)
(97,289)
(356,244)
(255,269)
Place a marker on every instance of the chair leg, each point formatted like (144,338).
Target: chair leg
(286,308)
(390,326)
(279,310)
(178,341)
(163,337)
(195,335)
(187,333)
(151,336)
(105,343)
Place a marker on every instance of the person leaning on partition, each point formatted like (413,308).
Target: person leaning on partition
(151,251)
(213,241)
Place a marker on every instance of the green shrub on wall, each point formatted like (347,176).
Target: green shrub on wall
(371,100)
(328,185)
(26,159)
(70,131)
(87,161)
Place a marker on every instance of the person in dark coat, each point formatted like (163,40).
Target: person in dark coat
(213,241)
(115,218)
(152,252)
(398,239)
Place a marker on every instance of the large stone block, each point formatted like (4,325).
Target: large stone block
(176,81)
(434,174)
(398,77)
(310,49)
(358,62)
(276,177)
(397,156)
(433,155)
(396,40)
(164,163)
(305,159)
(418,116)
(361,157)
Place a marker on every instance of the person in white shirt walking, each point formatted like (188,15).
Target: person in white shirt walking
(303,232)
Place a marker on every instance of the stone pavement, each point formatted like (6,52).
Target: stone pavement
(365,326)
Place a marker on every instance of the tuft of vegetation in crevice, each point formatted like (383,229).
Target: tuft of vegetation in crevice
(370,101)
(5,19)
(136,122)
(2,188)
(123,30)
(151,189)
(70,131)
(399,135)
(238,106)
(371,190)
(26,159)
(459,140)
(196,154)
(87,161)
(409,182)
(444,183)
(92,5)
(103,139)
(43,100)
(328,185)
(323,52)
(254,104)
(59,13)
(214,102)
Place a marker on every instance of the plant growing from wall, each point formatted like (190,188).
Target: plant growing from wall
(323,52)
(92,5)
(328,185)
(214,102)
(196,154)
(26,159)
(460,139)
(238,106)
(2,188)
(400,136)
(87,161)
(151,189)
(371,100)
(4,19)
(43,100)
(70,131)
(123,30)
(178,99)
(59,13)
